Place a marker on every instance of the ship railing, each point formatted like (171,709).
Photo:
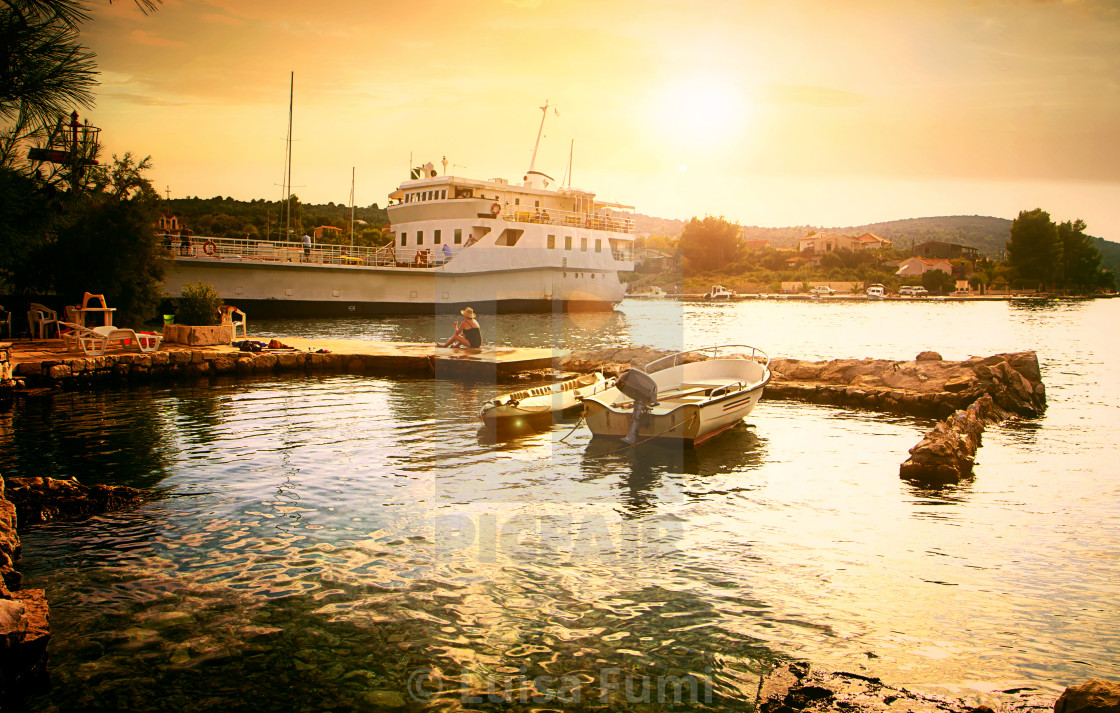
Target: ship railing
(612,222)
(280,251)
(623,255)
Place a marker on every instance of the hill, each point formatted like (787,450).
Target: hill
(988,234)
(668,227)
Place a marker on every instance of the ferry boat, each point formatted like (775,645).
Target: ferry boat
(494,245)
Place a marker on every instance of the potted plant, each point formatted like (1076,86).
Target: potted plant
(198,317)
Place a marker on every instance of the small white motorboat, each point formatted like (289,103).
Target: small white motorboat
(689,396)
(545,400)
(719,292)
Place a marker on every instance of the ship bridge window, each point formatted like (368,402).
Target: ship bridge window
(443,194)
(567,242)
(509,237)
(419,237)
(464,192)
(458,236)
(552,242)
(404,238)
(598,245)
(437,237)
(583,244)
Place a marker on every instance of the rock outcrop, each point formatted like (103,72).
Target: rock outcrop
(794,687)
(926,386)
(1093,696)
(946,453)
(24,615)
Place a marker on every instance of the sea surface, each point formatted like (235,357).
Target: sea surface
(346,542)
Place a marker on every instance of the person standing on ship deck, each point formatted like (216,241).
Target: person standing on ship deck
(306,247)
(467,333)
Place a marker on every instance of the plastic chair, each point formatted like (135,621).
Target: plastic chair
(40,319)
(228,311)
(90,296)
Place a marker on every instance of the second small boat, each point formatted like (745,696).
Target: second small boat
(545,400)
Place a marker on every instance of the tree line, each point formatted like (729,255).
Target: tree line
(261,219)
(1039,255)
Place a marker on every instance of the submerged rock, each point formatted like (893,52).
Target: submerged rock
(46,499)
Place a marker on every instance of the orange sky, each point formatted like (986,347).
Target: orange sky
(783,112)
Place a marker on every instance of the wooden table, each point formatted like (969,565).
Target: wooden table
(106,312)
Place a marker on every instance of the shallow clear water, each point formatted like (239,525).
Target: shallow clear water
(349,542)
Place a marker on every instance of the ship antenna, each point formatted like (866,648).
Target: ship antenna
(544,113)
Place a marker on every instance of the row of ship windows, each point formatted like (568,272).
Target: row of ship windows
(441,194)
(426,196)
(437,239)
(568,243)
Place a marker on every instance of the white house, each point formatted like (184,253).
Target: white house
(920,265)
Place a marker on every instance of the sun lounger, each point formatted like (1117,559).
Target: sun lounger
(94,342)
(72,335)
(128,337)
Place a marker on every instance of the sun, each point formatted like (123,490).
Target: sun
(698,111)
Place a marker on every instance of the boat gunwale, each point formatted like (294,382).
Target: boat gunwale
(714,349)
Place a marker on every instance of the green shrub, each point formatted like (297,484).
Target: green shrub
(199,306)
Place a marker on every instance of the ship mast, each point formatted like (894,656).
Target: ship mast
(544,113)
(288,190)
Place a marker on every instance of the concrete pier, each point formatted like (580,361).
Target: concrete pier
(48,363)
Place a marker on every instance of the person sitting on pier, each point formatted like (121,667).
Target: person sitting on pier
(467,332)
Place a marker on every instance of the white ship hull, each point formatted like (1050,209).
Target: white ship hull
(283,289)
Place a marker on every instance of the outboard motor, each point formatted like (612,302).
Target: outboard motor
(641,387)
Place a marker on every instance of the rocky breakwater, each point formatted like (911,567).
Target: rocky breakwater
(24,613)
(966,395)
(798,687)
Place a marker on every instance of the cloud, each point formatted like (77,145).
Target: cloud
(140,99)
(146,38)
(216,19)
(822,97)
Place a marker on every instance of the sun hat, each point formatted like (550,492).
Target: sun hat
(468,313)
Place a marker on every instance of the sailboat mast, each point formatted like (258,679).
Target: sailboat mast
(352,206)
(544,110)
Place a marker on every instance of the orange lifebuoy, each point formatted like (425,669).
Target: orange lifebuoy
(209,247)
(495,210)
